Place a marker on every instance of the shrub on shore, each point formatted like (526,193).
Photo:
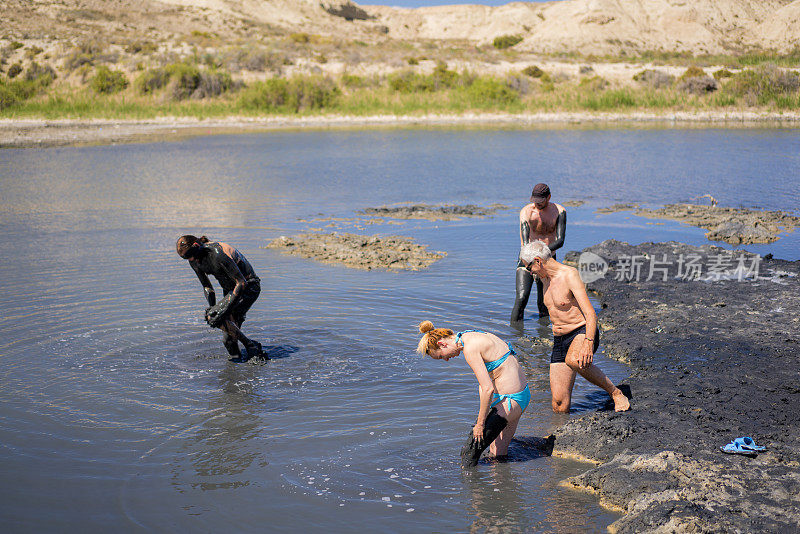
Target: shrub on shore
(16,91)
(108,81)
(654,78)
(764,85)
(294,94)
(152,80)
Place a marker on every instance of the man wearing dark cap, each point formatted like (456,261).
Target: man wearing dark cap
(544,221)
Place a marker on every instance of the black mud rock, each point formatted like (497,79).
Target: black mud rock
(714,355)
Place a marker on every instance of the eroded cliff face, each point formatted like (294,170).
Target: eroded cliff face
(580,26)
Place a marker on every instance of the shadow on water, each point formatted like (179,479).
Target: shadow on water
(524,449)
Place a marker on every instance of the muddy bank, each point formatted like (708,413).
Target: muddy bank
(710,361)
(434,213)
(736,226)
(392,253)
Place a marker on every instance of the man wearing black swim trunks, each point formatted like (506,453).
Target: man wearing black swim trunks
(240,287)
(573,317)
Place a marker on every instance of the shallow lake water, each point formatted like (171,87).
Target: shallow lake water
(119,408)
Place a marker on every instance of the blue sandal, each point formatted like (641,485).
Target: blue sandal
(748,444)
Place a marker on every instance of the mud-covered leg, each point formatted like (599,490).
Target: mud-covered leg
(524,283)
(472,449)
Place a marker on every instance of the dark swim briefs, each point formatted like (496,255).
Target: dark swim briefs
(561,344)
(248,297)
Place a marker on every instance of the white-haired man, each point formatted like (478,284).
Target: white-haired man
(575,332)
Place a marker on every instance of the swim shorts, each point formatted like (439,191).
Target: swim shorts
(561,344)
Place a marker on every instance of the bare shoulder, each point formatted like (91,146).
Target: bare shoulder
(560,208)
(525,212)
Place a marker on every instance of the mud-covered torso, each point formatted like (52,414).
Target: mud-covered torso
(222,261)
(565,313)
(541,223)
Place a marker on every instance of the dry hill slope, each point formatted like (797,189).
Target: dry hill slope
(582,26)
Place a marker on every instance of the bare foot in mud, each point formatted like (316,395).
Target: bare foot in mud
(621,402)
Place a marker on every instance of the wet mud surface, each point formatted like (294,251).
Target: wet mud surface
(735,226)
(391,253)
(434,213)
(710,361)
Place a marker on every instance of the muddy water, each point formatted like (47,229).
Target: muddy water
(119,408)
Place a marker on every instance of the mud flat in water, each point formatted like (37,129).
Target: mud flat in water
(736,226)
(392,253)
(710,361)
(434,213)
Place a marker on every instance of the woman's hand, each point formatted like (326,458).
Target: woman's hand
(477,432)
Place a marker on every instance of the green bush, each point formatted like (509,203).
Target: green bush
(151,81)
(486,90)
(300,37)
(413,61)
(14,70)
(42,74)
(764,85)
(533,71)
(107,81)
(692,72)
(506,41)
(295,94)
(188,81)
(413,82)
(722,73)
(595,83)
(16,91)
(351,80)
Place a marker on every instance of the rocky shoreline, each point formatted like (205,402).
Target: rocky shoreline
(714,355)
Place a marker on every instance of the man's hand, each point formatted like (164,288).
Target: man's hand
(477,432)
(585,354)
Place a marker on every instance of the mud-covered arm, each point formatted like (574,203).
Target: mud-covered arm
(524,233)
(485,388)
(208,289)
(561,231)
(226,263)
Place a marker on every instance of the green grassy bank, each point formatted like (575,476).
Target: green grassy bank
(189,90)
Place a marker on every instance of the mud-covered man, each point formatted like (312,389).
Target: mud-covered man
(240,287)
(575,333)
(544,221)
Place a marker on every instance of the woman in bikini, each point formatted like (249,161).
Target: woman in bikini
(502,385)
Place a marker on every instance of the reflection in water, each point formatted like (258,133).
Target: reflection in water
(497,498)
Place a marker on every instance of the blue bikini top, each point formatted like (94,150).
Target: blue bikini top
(494,364)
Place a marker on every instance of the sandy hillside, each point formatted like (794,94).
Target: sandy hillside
(582,26)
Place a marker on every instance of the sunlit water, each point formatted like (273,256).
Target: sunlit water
(120,410)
